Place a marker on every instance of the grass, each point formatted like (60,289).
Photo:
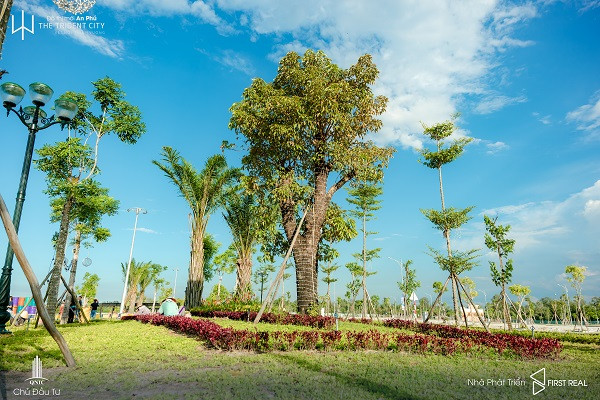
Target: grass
(123,360)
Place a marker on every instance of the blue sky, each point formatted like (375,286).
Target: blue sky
(523,75)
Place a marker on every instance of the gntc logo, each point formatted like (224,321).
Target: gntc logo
(539,385)
(36,372)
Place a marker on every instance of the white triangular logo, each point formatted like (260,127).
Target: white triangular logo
(539,380)
(537,388)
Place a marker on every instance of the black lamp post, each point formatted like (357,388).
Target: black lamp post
(34,118)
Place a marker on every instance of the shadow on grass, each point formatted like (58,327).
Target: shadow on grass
(376,388)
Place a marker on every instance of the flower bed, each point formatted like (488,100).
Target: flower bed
(522,346)
(219,337)
(282,319)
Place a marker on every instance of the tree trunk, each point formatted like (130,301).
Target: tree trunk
(5,7)
(59,257)
(244,275)
(305,248)
(73,270)
(195,283)
(364,260)
(305,274)
(505,311)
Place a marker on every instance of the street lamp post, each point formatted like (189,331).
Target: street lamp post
(175,282)
(137,211)
(405,301)
(35,119)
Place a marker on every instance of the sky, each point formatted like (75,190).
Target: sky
(524,77)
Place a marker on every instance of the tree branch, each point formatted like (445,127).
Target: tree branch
(338,185)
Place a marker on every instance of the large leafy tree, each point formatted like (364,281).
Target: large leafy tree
(204,192)
(70,166)
(448,218)
(496,240)
(303,131)
(363,196)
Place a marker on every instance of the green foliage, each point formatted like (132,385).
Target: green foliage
(449,218)
(338,226)
(456,263)
(225,262)
(438,287)
(363,195)
(437,133)
(211,247)
(328,270)
(89,286)
(519,290)
(410,282)
(469,284)
(577,274)
(496,240)
(204,191)
(231,305)
(218,294)
(313,114)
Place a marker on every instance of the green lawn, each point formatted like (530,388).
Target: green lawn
(124,360)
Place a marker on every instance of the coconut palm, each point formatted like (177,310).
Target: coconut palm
(204,193)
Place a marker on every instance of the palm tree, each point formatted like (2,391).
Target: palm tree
(243,216)
(136,272)
(204,193)
(147,276)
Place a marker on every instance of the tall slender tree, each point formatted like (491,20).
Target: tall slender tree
(576,276)
(454,262)
(303,129)
(521,292)
(71,165)
(204,193)
(89,207)
(364,197)
(409,284)
(496,240)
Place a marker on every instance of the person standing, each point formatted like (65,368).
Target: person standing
(72,309)
(94,307)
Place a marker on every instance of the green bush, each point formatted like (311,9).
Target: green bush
(228,306)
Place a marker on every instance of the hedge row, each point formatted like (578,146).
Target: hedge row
(219,337)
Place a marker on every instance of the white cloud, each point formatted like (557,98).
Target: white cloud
(231,60)
(496,147)
(111,48)
(145,230)
(543,119)
(200,9)
(547,222)
(430,53)
(587,117)
(492,103)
